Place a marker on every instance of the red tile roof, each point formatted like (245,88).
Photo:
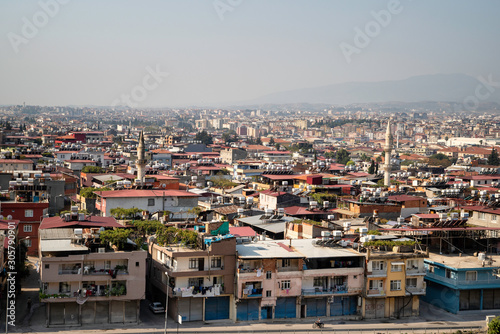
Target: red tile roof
(145,193)
(92,221)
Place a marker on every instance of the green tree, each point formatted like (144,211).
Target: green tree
(147,227)
(272,142)
(116,237)
(494,326)
(371,169)
(342,156)
(92,169)
(89,192)
(364,157)
(221,182)
(122,213)
(204,137)
(258,141)
(493,158)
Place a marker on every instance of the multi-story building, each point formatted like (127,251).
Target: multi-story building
(231,155)
(460,282)
(200,281)
(394,283)
(175,201)
(296,279)
(83,280)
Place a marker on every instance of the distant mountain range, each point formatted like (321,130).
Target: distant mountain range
(438,87)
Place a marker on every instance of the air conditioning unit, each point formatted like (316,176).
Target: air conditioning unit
(102,250)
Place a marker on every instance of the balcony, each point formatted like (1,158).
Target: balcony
(252,293)
(339,289)
(415,272)
(377,273)
(111,272)
(375,293)
(415,290)
(493,281)
(70,271)
(197,291)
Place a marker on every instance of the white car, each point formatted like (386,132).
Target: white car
(156,307)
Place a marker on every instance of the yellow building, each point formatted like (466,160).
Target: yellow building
(394,283)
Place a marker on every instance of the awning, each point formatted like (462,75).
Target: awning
(397,263)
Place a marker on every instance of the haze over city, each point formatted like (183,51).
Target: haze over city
(219,53)
(231,166)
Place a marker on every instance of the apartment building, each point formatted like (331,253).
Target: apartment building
(83,280)
(394,282)
(200,281)
(176,201)
(460,282)
(295,279)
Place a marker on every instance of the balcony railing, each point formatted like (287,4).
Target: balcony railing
(339,289)
(414,289)
(198,291)
(252,293)
(84,293)
(70,271)
(105,271)
(375,292)
(455,281)
(416,271)
(378,273)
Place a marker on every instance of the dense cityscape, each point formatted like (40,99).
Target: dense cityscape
(231,166)
(346,213)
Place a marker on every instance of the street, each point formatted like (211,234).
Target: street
(431,320)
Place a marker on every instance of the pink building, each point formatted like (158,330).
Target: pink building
(83,280)
(296,279)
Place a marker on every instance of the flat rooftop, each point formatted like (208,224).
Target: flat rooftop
(464,261)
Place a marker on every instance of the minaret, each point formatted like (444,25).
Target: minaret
(388,149)
(141,161)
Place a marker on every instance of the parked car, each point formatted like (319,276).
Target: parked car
(156,307)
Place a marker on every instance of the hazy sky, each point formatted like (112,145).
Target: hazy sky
(92,52)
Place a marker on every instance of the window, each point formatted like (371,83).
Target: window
(430,269)
(411,282)
(269,275)
(447,273)
(27,228)
(47,266)
(396,285)
(319,281)
(411,264)
(285,285)
(151,202)
(480,215)
(107,264)
(27,242)
(216,262)
(285,262)
(193,263)
(378,265)
(376,284)
(64,287)
(137,264)
(195,281)
(396,267)
(494,218)
(471,275)
(28,213)
(268,293)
